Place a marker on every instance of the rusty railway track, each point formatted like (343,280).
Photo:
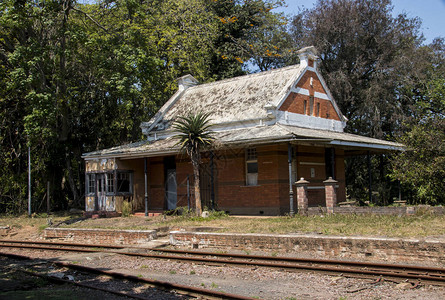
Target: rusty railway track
(432,275)
(168,286)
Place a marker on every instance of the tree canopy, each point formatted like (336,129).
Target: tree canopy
(78,77)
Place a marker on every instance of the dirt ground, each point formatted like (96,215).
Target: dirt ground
(261,283)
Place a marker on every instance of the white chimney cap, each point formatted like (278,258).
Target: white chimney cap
(186,81)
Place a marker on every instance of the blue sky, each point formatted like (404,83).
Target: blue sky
(432,13)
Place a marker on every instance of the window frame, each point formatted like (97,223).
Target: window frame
(130,183)
(111,186)
(251,157)
(90,184)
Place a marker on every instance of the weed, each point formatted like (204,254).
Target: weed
(274,254)
(192,272)
(247,252)
(43,227)
(126,209)
(144,267)
(140,275)
(203,285)
(75,262)
(214,285)
(172,272)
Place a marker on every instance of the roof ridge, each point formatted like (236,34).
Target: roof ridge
(236,78)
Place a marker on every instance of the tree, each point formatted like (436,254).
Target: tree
(371,62)
(194,136)
(421,168)
(366,55)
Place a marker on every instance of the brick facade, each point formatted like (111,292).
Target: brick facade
(269,197)
(294,103)
(330,194)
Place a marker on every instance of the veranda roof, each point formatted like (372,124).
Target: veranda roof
(250,136)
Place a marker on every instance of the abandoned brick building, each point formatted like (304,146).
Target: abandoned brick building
(271,128)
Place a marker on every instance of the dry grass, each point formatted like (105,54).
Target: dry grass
(422,225)
(348,225)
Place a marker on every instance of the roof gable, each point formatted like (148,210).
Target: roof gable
(251,99)
(238,99)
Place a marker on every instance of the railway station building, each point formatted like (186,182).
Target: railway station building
(271,129)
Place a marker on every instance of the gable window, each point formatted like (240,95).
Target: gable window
(251,167)
(311,105)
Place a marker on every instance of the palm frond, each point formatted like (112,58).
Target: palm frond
(193,132)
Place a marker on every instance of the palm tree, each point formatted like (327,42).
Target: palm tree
(194,135)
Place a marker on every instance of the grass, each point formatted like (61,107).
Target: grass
(419,225)
(348,225)
(39,221)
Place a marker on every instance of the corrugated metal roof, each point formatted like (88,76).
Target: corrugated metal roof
(250,136)
(237,99)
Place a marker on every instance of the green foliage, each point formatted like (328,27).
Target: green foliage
(421,168)
(79,77)
(194,133)
(375,67)
(127,209)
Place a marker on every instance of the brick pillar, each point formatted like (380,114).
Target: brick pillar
(302,196)
(330,194)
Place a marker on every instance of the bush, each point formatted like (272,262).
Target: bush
(126,209)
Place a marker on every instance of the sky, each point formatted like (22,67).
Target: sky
(431,12)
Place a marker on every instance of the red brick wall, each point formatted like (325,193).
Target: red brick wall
(100,236)
(362,248)
(295,102)
(270,196)
(235,196)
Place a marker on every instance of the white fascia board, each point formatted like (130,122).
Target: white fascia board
(293,119)
(133,154)
(366,145)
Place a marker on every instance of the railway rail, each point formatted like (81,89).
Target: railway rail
(168,286)
(431,275)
